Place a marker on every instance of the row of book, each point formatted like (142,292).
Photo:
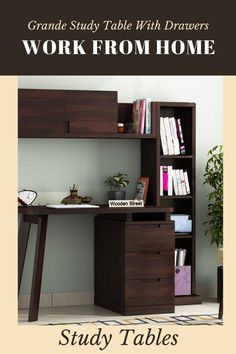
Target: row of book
(172,139)
(180,257)
(173,181)
(141,117)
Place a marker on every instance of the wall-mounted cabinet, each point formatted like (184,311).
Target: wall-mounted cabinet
(63,114)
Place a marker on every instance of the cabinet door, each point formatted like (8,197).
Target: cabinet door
(91,112)
(41,113)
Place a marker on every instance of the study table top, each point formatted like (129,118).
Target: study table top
(103,209)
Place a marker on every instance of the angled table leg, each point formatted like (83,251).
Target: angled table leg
(38,268)
(23,238)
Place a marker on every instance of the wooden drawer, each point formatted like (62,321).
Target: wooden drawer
(157,236)
(149,292)
(146,265)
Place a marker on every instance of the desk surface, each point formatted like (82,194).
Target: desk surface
(103,209)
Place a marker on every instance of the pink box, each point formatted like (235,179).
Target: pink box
(183,280)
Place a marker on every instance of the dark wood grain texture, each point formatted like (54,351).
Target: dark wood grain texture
(38,268)
(66,113)
(134,266)
(23,237)
(92,112)
(41,113)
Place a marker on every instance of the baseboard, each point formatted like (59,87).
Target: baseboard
(59,299)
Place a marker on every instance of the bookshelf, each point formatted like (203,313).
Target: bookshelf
(95,114)
(151,147)
(183,204)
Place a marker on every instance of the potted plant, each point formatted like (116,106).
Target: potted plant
(116,183)
(213,177)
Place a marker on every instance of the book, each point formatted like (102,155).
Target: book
(168,136)
(183,183)
(170,183)
(165,180)
(142,189)
(181,257)
(161,181)
(136,116)
(179,185)
(174,180)
(148,119)
(175,139)
(142,114)
(181,137)
(187,182)
(176,256)
(163,137)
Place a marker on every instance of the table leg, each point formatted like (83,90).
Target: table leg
(38,268)
(23,238)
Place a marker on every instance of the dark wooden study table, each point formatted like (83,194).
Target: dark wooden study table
(39,215)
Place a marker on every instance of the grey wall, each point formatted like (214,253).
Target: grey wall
(50,166)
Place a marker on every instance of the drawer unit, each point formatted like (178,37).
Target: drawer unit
(134,266)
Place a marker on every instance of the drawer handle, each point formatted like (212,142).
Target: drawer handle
(157,280)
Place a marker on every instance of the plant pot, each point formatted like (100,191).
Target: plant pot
(220,255)
(116,195)
(73,198)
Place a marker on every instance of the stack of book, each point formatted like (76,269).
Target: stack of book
(172,140)
(142,120)
(173,181)
(180,256)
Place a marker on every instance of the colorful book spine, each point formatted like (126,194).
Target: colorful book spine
(165,180)
(181,137)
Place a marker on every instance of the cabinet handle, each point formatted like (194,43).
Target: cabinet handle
(157,280)
(67,126)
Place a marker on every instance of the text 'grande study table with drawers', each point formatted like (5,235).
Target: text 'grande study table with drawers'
(134,257)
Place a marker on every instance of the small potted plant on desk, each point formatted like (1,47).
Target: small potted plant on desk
(116,183)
